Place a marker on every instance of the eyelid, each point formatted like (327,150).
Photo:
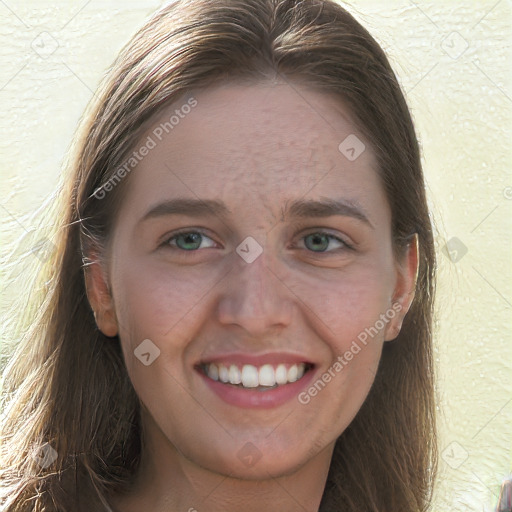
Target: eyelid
(345,240)
(165,239)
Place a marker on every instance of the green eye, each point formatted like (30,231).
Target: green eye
(319,242)
(194,240)
(189,241)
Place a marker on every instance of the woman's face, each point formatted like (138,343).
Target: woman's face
(251,246)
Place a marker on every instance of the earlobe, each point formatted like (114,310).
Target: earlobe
(100,298)
(407,276)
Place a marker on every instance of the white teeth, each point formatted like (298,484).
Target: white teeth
(281,374)
(292,373)
(213,372)
(252,377)
(266,375)
(234,375)
(223,372)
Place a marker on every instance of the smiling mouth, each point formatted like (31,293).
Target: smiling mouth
(256,378)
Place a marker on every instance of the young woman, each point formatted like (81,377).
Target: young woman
(238,312)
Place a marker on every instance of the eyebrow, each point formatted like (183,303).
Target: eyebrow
(325,208)
(189,207)
(301,208)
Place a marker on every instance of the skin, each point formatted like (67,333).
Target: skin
(255,147)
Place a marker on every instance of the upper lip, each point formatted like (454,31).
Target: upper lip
(239,358)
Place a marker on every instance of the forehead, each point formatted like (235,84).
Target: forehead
(266,142)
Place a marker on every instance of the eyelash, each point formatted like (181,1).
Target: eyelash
(167,241)
(345,245)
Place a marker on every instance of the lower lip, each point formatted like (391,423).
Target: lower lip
(251,399)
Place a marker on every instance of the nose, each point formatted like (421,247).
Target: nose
(255,298)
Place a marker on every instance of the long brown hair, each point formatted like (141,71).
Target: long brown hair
(66,389)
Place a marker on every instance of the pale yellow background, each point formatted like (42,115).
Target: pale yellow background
(462,108)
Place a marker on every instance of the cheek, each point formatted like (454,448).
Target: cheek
(154,299)
(346,304)
(346,312)
(156,303)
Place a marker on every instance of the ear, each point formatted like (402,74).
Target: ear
(403,295)
(100,297)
